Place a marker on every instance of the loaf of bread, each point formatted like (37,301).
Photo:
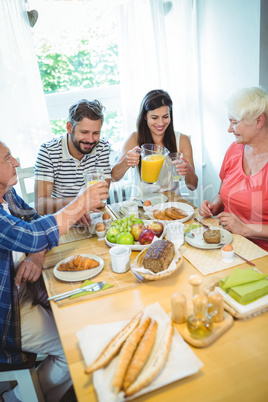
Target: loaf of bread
(212,236)
(159,256)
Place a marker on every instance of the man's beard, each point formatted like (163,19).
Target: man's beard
(78,147)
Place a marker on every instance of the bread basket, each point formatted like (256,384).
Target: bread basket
(138,263)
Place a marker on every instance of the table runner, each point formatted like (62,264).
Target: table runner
(120,281)
(75,234)
(210,261)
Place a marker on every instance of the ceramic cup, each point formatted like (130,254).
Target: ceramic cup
(227,255)
(175,232)
(96,217)
(130,207)
(120,258)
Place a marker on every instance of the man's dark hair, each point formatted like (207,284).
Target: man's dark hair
(93,110)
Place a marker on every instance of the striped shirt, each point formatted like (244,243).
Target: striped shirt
(30,235)
(55,165)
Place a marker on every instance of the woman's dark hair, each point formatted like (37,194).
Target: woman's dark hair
(153,100)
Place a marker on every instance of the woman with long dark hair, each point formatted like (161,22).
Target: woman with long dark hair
(155,126)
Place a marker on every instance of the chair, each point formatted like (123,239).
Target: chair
(26,183)
(26,376)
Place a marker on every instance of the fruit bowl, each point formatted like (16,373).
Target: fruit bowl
(137,246)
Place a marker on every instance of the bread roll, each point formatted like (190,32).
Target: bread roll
(159,256)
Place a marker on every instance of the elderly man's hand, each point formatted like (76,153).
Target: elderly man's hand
(30,269)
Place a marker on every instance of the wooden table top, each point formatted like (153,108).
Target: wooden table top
(235,365)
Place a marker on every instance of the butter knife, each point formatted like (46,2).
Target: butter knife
(75,291)
(205,226)
(242,258)
(96,287)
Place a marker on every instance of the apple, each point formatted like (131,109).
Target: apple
(146,237)
(156,227)
(136,230)
(112,235)
(125,238)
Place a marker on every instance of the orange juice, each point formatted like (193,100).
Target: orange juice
(90,183)
(150,167)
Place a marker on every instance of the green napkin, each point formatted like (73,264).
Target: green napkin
(88,282)
(240,277)
(192,226)
(245,286)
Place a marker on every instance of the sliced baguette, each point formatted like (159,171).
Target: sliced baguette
(141,355)
(158,361)
(114,346)
(127,352)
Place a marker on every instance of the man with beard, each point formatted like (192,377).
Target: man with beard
(61,162)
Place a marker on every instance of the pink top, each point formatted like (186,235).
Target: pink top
(242,195)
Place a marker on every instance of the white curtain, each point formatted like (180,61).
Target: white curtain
(24,118)
(158,50)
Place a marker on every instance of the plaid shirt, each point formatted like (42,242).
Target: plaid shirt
(25,231)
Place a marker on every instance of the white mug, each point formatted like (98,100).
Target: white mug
(120,258)
(130,207)
(175,232)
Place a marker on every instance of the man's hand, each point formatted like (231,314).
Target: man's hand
(30,269)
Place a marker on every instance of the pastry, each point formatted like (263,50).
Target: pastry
(175,213)
(160,215)
(159,256)
(78,263)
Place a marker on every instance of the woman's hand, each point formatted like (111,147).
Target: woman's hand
(184,168)
(133,157)
(206,208)
(231,222)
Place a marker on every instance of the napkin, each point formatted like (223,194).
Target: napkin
(181,362)
(86,283)
(245,286)
(192,226)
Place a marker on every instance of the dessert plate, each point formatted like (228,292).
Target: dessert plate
(188,209)
(196,239)
(75,276)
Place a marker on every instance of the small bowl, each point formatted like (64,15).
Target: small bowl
(101,234)
(147,208)
(227,255)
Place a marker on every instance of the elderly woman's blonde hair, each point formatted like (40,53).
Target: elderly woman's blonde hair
(248,103)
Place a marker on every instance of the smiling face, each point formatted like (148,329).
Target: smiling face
(158,121)
(84,137)
(8,164)
(244,133)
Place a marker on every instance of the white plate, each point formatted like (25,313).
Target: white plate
(137,246)
(181,205)
(154,198)
(199,242)
(76,276)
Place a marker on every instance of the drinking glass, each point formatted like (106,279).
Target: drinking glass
(94,177)
(174,159)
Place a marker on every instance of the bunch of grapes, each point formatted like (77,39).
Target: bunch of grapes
(125,224)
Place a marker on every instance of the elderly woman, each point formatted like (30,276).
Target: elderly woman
(242,202)
(155,126)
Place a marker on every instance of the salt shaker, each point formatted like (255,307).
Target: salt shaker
(178,308)
(216,300)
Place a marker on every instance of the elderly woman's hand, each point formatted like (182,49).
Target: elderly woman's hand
(184,168)
(133,157)
(231,222)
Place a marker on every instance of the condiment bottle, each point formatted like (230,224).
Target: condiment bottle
(200,324)
(216,301)
(178,308)
(195,281)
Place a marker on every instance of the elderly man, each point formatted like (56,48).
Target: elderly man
(61,162)
(25,327)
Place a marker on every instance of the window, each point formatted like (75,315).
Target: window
(76,44)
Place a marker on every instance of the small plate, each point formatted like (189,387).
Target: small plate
(137,246)
(76,276)
(181,205)
(199,242)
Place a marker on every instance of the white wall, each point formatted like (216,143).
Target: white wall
(229,33)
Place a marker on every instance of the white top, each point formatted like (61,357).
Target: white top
(164,182)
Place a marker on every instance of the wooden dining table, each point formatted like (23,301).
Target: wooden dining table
(235,366)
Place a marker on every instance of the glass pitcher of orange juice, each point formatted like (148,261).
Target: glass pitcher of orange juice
(152,159)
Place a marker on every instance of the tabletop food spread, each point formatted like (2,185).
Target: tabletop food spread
(127,360)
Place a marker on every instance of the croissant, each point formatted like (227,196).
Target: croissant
(161,215)
(78,263)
